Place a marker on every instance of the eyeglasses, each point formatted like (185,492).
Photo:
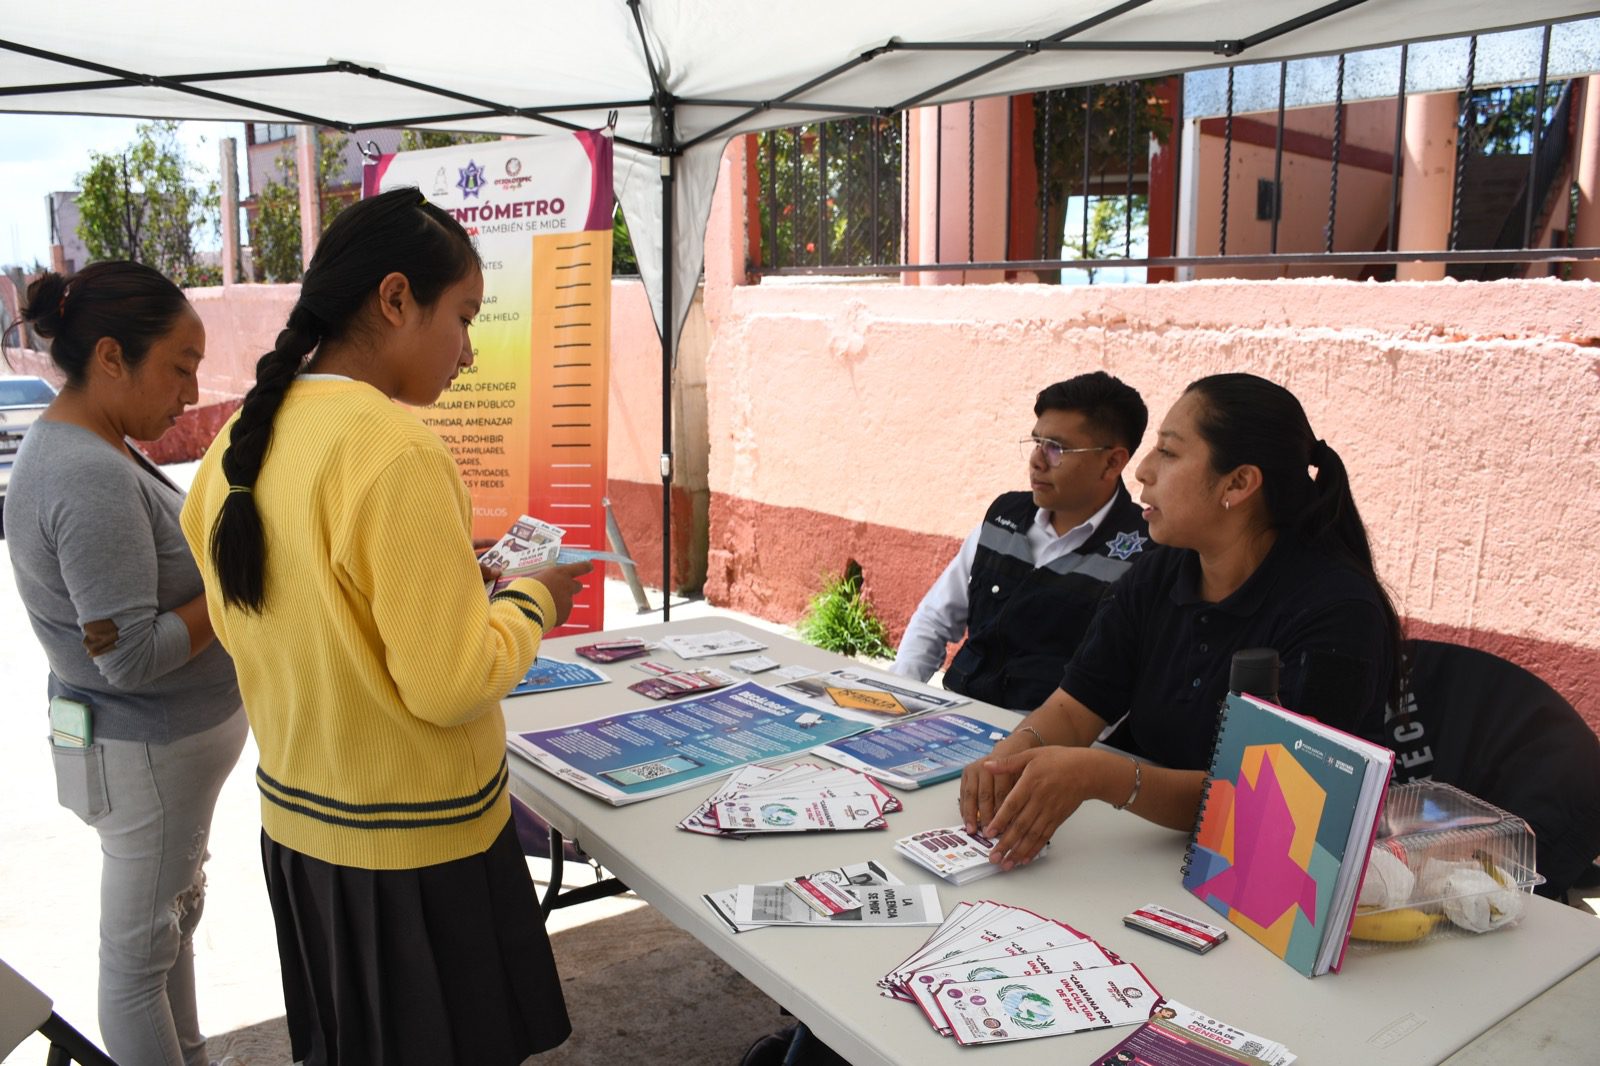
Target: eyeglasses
(1054,450)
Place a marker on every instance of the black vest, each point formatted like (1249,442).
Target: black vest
(1024,622)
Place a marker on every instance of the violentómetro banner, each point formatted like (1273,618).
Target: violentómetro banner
(527,421)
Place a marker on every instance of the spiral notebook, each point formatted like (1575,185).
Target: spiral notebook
(1284,830)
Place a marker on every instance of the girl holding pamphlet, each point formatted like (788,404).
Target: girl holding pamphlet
(144,709)
(1258,553)
(333,531)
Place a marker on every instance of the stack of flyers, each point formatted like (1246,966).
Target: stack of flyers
(868,874)
(1176,1033)
(1199,937)
(669,683)
(993,973)
(615,651)
(912,752)
(954,854)
(799,798)
(977,931)
(705,645)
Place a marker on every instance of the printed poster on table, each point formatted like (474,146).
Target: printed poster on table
(527,421)
(624,758)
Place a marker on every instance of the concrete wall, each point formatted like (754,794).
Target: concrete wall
(875,422)
(820,422)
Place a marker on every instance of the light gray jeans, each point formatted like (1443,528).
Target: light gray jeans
(151,805)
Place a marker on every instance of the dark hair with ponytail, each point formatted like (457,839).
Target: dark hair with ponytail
(131,303)
(1250,421)
(395,232)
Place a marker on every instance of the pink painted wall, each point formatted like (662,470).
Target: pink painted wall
(242,321)
(1468,415)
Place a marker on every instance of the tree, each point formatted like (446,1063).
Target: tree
(1120,119)
(275,234)
(1115,222)
(147,203)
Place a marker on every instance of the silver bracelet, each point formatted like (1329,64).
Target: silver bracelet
(1138,779)
(1035,733)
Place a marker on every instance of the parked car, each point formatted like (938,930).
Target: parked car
(22,399)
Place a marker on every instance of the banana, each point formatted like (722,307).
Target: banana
(1394,926)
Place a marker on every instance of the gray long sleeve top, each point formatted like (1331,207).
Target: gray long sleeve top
(92,535)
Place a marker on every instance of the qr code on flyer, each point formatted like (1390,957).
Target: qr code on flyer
(649,771)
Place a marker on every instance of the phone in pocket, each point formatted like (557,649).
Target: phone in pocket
(70,723)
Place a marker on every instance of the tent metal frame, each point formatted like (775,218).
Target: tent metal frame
(663,107)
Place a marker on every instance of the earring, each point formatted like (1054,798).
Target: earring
(1225,505)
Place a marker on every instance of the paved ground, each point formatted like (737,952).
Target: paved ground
(50,862)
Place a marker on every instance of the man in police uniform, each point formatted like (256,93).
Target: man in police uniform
(1027,581)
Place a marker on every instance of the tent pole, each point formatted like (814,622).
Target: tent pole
(668,336)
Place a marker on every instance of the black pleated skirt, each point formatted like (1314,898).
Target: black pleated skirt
(447,965)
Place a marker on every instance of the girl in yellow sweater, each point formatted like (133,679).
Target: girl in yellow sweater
(333,533)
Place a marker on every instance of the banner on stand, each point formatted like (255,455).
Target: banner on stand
(527,421)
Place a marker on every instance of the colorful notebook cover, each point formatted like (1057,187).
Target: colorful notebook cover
(1290,802)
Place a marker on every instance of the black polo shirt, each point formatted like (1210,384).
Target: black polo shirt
(1159,653)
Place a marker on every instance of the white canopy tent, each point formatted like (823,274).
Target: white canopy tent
(681,77)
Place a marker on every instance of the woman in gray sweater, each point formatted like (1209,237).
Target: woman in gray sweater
(145,712)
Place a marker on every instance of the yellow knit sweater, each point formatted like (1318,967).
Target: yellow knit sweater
(373,677)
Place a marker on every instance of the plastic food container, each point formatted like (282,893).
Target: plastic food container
(1445,863)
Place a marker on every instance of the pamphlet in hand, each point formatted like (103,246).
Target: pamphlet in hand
(856,875)
(910,753)
(634,755)
(527,545)
(868,696)
(550,675)
(954,854)
(1176,1033)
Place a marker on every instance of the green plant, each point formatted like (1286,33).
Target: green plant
(147,202)
(840,619)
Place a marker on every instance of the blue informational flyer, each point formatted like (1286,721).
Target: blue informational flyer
(917,751)
(635,755)
(549,675)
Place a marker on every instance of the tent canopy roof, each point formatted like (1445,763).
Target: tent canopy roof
(723,67)
(511,66)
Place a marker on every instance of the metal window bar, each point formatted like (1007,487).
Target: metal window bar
(938,186)
(1537,139)
(1277,157)
(822,193)
(1465,129)
(1227,167)
(1131,87)
(1088,121)
(848,243)
(1044,182)
(1338,145)
(1399,151)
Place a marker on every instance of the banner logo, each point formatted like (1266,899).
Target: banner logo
(471,182)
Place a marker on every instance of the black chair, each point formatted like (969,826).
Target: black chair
(1491,728)
(25,1010)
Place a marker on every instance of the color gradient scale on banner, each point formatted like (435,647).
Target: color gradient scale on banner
(527,421)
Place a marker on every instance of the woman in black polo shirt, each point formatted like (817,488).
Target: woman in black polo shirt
(1258,553)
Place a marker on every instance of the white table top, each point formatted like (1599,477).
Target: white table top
(1403,1006)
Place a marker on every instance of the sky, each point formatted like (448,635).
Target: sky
(41,154)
